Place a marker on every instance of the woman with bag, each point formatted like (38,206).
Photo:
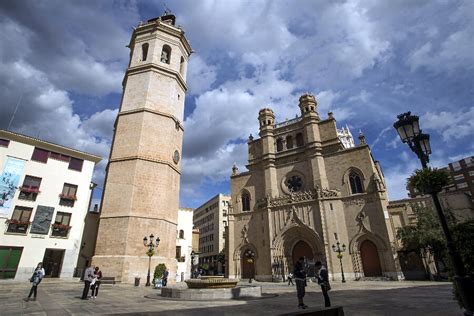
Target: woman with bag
(323,281)
(35,280)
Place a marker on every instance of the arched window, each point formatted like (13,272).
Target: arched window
(279,144)
(145,51)
(299,140)
(356,183)
(165,54)
(181,66)
(289,142)
(181,234)
(245,202)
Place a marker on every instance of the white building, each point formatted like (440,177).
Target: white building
(184,244)
(211,219)
(45,191)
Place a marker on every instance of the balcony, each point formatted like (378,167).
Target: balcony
(67,199)
(181,259)
(60,230)
(28,193)
(17,227)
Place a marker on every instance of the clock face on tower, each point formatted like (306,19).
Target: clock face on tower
(176,156)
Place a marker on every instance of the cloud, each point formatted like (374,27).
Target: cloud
(200,75)
(451,125)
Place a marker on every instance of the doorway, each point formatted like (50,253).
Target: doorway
(302,249)
(370,259)
(9,260)
(52,262)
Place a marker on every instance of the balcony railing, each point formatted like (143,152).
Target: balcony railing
(181,259)
(29,189)
(60,230)
(71,197)
(17,227)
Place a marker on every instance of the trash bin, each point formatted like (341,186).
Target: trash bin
(137,281)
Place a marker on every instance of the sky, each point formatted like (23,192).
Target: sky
(62,65)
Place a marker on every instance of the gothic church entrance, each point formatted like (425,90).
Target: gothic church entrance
(370,259)
(302,249)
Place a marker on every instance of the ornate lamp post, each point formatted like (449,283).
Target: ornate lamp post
(409,131)
(250,257)
(337,248)
(151,245)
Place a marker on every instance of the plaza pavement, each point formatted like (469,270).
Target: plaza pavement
(61,297)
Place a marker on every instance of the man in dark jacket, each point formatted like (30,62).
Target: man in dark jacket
(299,274)
(323,281)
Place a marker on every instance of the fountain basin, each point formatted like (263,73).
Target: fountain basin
(211,294)
(212,282)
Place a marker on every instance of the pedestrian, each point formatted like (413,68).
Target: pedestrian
(300,279)
(165,277)
(290,279)
(323,281)
(96,282)
(35,280)
(88,277)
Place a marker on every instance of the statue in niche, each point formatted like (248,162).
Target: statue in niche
(244,233)
(164,56)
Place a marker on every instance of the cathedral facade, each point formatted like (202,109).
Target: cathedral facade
(307,188)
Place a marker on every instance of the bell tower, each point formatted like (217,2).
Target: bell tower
(141,192)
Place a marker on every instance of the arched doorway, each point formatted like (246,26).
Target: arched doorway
(302,249)
(248,264)
(370,259)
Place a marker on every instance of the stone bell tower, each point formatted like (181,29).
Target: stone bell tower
(141,194)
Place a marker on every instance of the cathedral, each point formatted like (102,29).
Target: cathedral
(308,189)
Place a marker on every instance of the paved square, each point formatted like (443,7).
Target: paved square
(56,297)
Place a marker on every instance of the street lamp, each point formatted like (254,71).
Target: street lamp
(409,130)
(337,248)
(151,245)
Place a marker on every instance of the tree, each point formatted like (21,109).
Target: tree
(426,236)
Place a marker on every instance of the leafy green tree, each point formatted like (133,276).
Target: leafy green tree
(159,269)
(425,236)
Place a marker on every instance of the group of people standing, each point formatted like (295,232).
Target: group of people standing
(299,274)
(92,278)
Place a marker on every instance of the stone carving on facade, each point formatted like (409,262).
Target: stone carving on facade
(245,237)
(363,221)
(326,193)
(294,197)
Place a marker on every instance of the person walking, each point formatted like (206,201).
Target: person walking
(165,277)
(300,279)
(96,282)
(323,281)
(35,280)
(290,279)
(88,277)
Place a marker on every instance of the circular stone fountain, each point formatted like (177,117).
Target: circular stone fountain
(212,288)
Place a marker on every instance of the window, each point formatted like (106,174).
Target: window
(166,54)
(145,51)
(299,140)
(40,155)
(458,177)
(471,173)
(30,188)
(20,220)
(68,196)
(279,144)
(245,202)
(356,183)
(61,225)
(76,164)
(181,66)
(461,185)
(181,234)
(294,183)
(4,142)
(456,166)
(59,156)
(289,142)
(178,252)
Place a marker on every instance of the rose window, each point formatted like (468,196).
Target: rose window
(294,183)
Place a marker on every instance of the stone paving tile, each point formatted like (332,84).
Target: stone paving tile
(358,298)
